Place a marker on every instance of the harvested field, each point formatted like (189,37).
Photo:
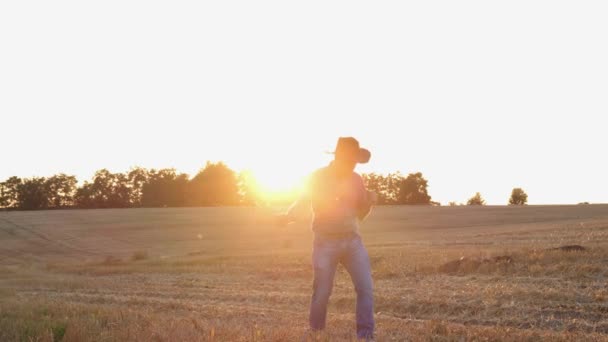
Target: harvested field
(226,274)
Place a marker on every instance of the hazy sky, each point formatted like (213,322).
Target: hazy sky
(478,95)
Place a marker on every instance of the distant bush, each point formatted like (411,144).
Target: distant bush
(413,189)
(139,255)
(518,197)
(111,260)
(476,200)
(58,331)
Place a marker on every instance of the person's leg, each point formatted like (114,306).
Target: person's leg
(356,261)
(325,261)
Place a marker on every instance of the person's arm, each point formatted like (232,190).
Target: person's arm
(367,201)
(303,202)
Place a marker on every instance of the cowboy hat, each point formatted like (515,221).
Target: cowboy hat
(348,148)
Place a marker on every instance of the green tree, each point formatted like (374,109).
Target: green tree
(214,185)
(137,177)
(3,196)
(33,193)
(84,196)
(377,183)
(107,190)
(476,200)
(111,189)
(518,197)
(413,190)
(10,191)
(387,187)
(393,187)
(165,188)
(120,193)
(61,190)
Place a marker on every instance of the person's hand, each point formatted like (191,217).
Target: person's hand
(372,196)
(282,220)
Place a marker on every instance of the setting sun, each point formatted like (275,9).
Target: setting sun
(274,184)
(273,181)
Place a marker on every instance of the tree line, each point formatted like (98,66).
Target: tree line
(412,189)
(214,185)
(395,188)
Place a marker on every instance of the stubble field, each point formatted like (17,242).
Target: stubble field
(228,274)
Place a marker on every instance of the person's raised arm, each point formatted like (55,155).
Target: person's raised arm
(303,202)
(367,200)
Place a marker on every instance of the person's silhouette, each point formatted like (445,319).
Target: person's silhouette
(339,201)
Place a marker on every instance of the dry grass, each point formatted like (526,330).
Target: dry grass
(222,275)
(139,255)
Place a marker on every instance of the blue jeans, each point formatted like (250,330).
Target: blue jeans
(351,253)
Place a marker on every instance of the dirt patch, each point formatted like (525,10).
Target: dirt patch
(569,248)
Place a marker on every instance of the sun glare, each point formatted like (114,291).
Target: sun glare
(277,181)
(274,184)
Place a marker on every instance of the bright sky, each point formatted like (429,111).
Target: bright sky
(478,95)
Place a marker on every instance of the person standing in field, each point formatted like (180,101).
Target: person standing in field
(339,201)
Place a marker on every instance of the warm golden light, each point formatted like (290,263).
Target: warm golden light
(275,181)
(276,185)
(270,183)
(471,117)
